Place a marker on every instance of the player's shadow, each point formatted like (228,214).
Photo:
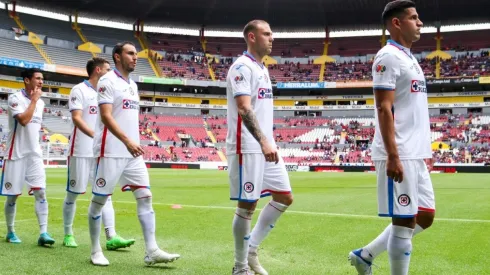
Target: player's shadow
(162,267)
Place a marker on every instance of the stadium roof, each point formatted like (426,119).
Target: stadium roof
(283,15)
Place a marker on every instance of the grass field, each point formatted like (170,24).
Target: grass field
(333,213)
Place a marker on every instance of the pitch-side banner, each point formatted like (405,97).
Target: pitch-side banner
(306,85)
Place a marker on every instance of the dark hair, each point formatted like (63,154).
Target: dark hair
(29,73)
(118,49)
(93,63)
(252,26)
(395,9)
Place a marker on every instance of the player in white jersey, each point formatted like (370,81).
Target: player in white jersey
(255,168)
(401,148)
(83,107)
(119,154)
(23,163)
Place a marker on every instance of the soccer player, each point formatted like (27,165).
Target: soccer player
(119,154)
(23,163)
(401,148)
(255,168)
(83,107)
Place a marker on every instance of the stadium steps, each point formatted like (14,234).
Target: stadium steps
(211,136)
(210,68)
(19,50)
(32,39)
(157,70)
(222,156)
(155,137)
(342,137)
(78,30)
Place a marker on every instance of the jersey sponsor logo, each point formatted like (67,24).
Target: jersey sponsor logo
(100,182)
(130,104)
(380,68)
(92,110)
(239,78)
(14,104)
(418,86)
(404,200)
(8,185)
(73,183)
(73,99)
(248,187)
(264,93)
(102,89)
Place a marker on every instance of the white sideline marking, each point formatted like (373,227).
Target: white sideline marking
(25,220)
(291,211)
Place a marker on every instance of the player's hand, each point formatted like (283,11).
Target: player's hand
(134,149)
(429,163)
(394,169)
(270,153)
(36,94)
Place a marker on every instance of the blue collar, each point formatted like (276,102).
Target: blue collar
(89,85)
(24,93)
(120,75)
(400,47)
(247,54)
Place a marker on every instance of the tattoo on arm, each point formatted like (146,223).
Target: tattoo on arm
(250,121)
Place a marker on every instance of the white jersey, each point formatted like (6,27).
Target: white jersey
(83,97)
(248,77)
(123,95)
(23,140)
(395,68)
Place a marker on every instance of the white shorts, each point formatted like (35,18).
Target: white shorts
(251,177)
(405,199)
(80,172)
(16,173)
(129,172)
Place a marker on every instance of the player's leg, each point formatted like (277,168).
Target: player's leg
(245,176)
(36,181)
(135,178)
(114,241)
(108,172)
(13,174)
(76,184)
(276,182)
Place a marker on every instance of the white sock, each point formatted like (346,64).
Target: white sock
(108,219)
(400,249)
(241,229)
(380,244)
(265,223)
(10,210)
(94,221)
(146,215)
(41,207)
(69,209)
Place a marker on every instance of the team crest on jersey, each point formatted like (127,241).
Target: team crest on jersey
(418,86)
(100,182)
(404,200)
(248,187)
(264,93)
(73,183)
(130,104)
(380,68)
(92,110)
(8,185)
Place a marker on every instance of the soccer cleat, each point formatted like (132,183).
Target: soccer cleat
(69,241)
(241,271)
(160,256)
(12,238)
(362,266)
(254,264)
(98,258)
(117,242)
(45,239)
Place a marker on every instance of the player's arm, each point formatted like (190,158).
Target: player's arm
(24,116)
(106,99)
(76,109)
(386,70)
(240,77)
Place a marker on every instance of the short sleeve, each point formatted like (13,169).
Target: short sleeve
(105,91)
(239,78)
(76,99)
(15,106)
(386,70)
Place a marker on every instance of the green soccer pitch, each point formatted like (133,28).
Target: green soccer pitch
(332,214)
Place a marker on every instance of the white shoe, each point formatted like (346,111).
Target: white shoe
(241,271)
(362,266)
(160,256)
(98,258)
(253,262)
